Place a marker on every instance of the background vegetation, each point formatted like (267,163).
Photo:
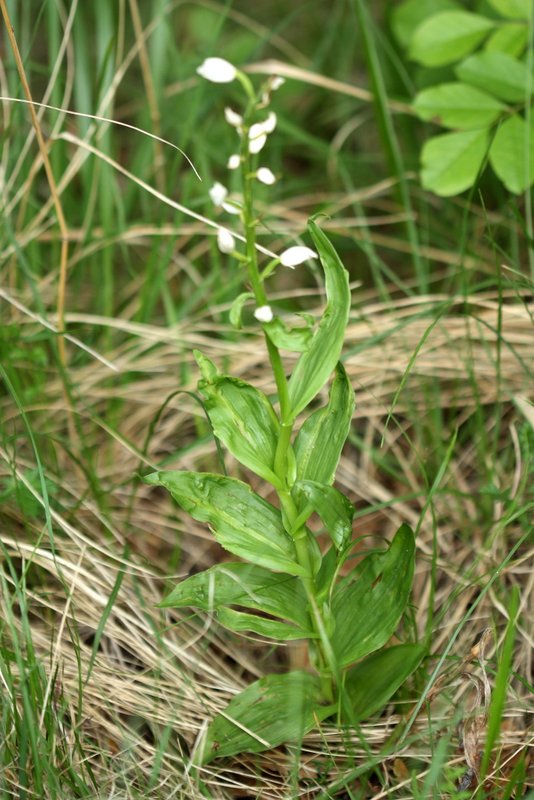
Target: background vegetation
(102,694)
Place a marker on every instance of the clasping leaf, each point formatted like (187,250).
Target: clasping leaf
(273,710)
(335,510)
(372,682)
(368,604)
(242,522)
(316,364)
(243,420)
(247,586)
(321,438)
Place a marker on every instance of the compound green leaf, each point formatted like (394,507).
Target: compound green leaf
(273,710)
(497,73)
(447,36)
(512,154)
(511,39)
(371,683)
(368,604)
(316,364)
(321,438)
(242,522)
(246,586)
(451,162)
(335,510)
(406,17)
(457,105)
(513,9)
(244,421)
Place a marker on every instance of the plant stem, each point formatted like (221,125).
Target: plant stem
(325,657)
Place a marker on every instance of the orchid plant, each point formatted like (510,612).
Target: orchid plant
(287,587)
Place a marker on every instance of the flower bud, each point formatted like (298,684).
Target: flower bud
(264,314)
(217,70)
(294,256)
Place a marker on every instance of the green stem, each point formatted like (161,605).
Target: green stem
(325,657)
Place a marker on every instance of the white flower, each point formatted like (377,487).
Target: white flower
(218,194)
(258,132)
(272,85)
(264,175)
(264,314)
(233,206)
(294,256)
(217,70)
(255,144)
(233,118)
(234,161)
(225,241)
(270,123)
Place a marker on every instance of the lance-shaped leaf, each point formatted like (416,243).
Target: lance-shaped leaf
(335,510)
(246,586)
(242,522)
(451,162)
(273,710)
(457,105)
(371,683)
(512,154)
(244,421)
(448,36)
(368,604)
(321,438)
(316,364)
(241,621)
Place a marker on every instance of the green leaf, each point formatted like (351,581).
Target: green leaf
(246,586)
(273,710)
(296,340)
(240,621)
(321,438)
(244,421)
(456,105)
(499,74)
(451,162)
(512,154)
(368,604)
(329,567)
(335,510)
(236,309)
(406,17)
(316,364)
(370,684)
(208,370)
(513,9)
(447,36)
(511,39)
(242,522)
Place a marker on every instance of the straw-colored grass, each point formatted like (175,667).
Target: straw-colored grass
(103,694)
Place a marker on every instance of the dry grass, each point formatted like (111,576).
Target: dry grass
(157,673)
(130,687)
